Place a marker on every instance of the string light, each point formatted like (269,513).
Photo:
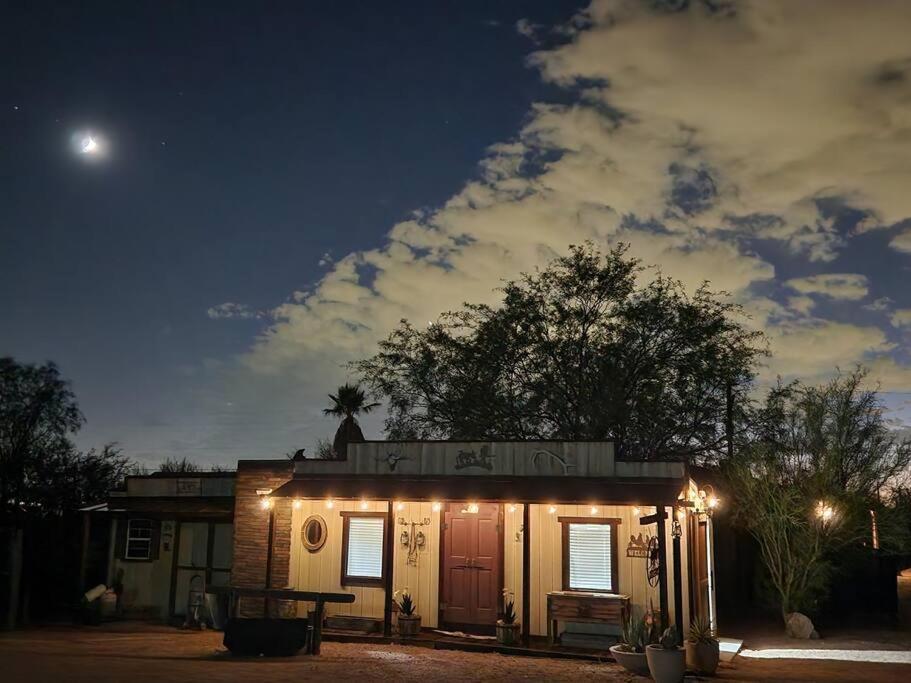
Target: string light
(297,504)
(400,506)
(265,502)
(824,512)
(364,505)
(471,508)
(512,507)
(594,510)
(436,507)
(636,511)
(713,502)
(552,509)
(330,503)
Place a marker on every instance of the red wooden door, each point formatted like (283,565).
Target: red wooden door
(700,568)
(471,565)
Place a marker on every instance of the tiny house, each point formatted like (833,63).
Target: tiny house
(169,535)
(576,536)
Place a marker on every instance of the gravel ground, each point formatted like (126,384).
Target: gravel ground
(139,653)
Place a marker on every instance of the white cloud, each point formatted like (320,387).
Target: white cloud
(801,304)
(695,138)
(849,286)
(526,28)
(783,113)
(902,242)
(230,309)
(901,317)
(883,303)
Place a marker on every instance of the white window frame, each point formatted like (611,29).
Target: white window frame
(133,537)
(353,579)
(613,561)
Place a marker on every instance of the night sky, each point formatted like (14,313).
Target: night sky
(279,183)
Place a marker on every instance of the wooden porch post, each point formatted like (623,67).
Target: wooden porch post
(388,567)
(526,573)
(84,551)
(662,561)
(269,544)
(676,531)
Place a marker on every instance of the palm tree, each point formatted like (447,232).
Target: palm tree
(347,402)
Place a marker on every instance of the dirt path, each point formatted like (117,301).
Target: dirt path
(139,654)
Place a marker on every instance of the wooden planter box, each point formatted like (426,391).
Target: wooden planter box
(409,627)
(269,637)
(508,634)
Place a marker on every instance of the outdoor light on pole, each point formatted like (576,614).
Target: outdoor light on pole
(824,512)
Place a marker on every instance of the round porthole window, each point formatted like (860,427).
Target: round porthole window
(314,533)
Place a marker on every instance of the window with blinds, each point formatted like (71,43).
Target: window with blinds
(590,553)
(363,550)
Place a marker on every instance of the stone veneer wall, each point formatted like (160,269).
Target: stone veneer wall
(251,533)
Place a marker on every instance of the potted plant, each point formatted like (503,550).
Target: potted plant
(635,636)
(666,660)
(507,628)
(702,648)
(409,623)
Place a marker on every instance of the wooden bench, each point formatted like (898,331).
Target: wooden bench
(267,594)
(592,608)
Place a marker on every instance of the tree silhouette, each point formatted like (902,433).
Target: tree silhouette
(348,402)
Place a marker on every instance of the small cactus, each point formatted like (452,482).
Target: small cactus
(668,639)
(404,601)
(509,607)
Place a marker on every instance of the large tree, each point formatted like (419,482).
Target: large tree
(575,351)
(41,471)
(818,467)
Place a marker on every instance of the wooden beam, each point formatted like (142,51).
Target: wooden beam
(651,519)
(489,488)
(172,585)
(662,569)
(84,551)
(269,544)
(678,581)
(388,566)
(526,573)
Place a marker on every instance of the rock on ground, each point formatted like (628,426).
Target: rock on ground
(798,625)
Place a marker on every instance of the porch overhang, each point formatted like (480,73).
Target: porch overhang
(215,507)
(566,489)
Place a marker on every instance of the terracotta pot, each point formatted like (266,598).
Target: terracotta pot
(409,626)
(507,634)
(666,666)
(634,662)
(702,657)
